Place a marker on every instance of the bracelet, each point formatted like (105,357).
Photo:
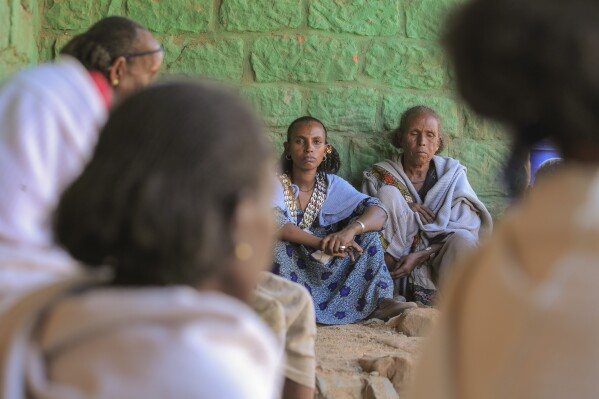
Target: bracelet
(361,225)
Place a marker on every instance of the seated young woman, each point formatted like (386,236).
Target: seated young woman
(185,246)
(328,231)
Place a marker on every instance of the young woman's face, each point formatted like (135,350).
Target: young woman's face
(307,145)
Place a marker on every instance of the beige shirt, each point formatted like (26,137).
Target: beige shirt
(520,317)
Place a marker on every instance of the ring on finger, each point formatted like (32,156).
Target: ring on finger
(342,247)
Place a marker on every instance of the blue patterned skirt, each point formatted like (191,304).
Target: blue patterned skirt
(343,292)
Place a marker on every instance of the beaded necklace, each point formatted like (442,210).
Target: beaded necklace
(316,199)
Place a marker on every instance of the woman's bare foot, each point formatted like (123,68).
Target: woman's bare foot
(389,308)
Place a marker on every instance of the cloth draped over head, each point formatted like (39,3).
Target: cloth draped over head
(50,116)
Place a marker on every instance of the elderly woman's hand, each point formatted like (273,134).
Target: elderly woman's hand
(425,213)
(407,263)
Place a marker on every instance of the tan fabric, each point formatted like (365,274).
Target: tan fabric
(66,342)
(520,317)
(288,309)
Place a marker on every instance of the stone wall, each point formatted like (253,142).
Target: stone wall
(355,64)
(19,24)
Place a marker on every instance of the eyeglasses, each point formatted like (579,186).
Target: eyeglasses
(143,53)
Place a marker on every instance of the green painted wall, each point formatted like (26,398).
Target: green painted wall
(355,64)
(19,30)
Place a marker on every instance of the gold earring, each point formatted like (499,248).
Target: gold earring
(115,82)
(243,251)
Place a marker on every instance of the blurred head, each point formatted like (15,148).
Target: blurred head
(178,192)
(533,65)
(307,148)
(124,51)
(418,135)
(547,169)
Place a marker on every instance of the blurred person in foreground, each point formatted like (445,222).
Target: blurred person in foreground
(50,116)
(45,144)
(184,246)
(520,318)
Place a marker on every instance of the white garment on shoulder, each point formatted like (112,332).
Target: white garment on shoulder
(50,116)
(154,343)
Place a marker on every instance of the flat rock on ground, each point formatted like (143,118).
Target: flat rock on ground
(370,360)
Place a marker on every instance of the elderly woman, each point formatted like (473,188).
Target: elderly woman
(434,215)
(328,240)
(520,317)
(184,247)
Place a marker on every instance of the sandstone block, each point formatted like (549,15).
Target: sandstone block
(479,128)
(219,60)
(424,18)
(278,106)
(415,322)
(365,152)
(345,108)
(4,24)
(172,15)
(304,59)
(69,15)
(78,15)
(362,17)
(485,161)
(395,104)
(405,64)
(260,15)
(399,369)
(335,386)
(379,388)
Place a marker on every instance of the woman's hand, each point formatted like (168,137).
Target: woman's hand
(425,213)
(407,263)
(341,244)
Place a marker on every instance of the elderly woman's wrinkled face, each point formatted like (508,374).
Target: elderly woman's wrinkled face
(421,140)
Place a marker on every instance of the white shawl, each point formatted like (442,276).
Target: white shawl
(66,341)
(50,116)
(446,198)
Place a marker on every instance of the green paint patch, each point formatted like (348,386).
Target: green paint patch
(218,60)
(362,17)
(278,106)
(347,109)
(172,16)
(296,58)
(259,15)
(405,65)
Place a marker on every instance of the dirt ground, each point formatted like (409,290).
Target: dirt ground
(343,353)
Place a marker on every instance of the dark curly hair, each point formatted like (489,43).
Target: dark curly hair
(156,200)
(532,65)
(404,122)
(104,42)
(331,164)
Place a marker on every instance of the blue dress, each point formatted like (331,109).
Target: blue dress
(343,292)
